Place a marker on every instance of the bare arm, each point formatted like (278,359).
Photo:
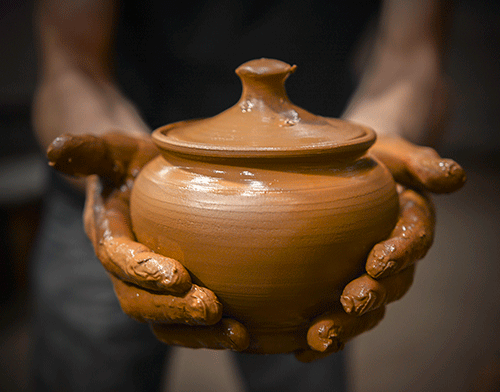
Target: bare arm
(401,95)
(76,93)
(402,89)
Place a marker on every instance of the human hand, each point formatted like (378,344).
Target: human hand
(391,263)
(150,288)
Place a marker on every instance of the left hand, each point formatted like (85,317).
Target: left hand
(391,263)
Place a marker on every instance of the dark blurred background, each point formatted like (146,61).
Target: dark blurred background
(442,336)
(22,182)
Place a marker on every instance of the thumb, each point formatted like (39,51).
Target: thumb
(418,167)
(83,155)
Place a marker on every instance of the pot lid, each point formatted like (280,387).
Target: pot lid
(264,124)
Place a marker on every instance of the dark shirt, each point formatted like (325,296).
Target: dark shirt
(176,61)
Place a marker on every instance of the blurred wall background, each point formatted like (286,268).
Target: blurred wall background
(21,172)
(455,285)
(22,182)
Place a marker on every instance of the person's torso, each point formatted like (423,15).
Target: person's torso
(177,62)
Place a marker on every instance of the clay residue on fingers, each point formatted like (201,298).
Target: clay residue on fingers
(226,334)
(409,241)
(329,332)
(419,167)
(141,277)
(366,294)
(440,175)
(83,155)
(113,156)
(198,306)
(108,225)
(135,263)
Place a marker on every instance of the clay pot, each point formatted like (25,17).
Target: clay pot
(269,206)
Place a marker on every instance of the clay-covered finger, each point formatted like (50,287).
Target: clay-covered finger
(83,155)
(108,156)
(198,306)
(135,263)
(410,239)
(365,294)
(419,167)
(329,332)
(226,334)
(108,225)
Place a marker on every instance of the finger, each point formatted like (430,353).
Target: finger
(226,334)
(329,332)
(82,155)
(108,156)
(365,294)
(108,226)
(410,239)
(135,263)
(198,306)
(419,167)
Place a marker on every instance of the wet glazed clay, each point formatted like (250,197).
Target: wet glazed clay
(269,206)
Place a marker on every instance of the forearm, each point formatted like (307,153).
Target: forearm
(75,92)
(71,102)
(402,88)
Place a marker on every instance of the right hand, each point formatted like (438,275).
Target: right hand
(151,288)
(390,266)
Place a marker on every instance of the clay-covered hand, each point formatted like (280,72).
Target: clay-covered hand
(151,288)
(391,264)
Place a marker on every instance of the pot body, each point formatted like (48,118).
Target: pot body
(276,241)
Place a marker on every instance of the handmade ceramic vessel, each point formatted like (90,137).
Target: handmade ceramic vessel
(271,207)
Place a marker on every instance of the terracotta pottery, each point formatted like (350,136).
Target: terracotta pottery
(271,207)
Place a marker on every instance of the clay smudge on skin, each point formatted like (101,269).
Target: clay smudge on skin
(366,294)
(226,334)
(329,332)
(198,306)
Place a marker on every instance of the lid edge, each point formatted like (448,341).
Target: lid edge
(356,146)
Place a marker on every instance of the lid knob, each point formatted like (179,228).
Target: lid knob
(264,79)
(264,124)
